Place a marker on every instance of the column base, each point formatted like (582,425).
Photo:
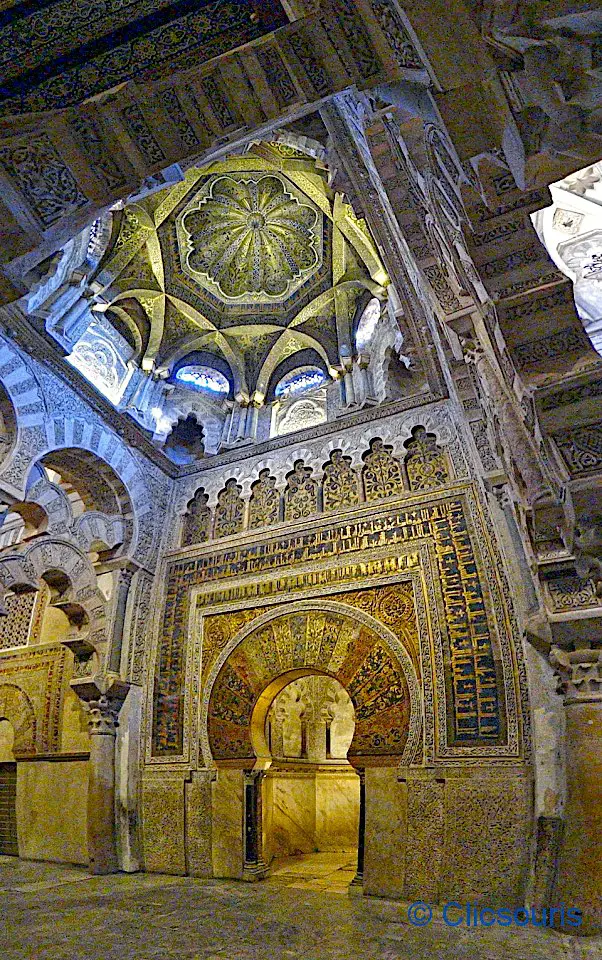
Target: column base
(356,887)
(251,872)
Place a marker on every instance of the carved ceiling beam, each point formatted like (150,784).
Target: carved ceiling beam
(59,169)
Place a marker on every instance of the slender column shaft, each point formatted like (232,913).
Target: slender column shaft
(101,794)
(123,586)
(254,867)
(359,877)
(364,387)
(242,423)
(252,416)
(579,878)
(349,391)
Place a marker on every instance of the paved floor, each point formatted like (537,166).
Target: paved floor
(331,872)
(61,913)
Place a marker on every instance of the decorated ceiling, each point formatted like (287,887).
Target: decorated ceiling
(56,53)
(250,238)
(250,261)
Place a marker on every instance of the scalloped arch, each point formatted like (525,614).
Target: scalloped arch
(25,569)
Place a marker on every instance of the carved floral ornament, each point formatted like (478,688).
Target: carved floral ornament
(302,494)
(251,238)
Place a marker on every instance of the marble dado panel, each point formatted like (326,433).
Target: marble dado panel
(470,663)
(309,810)
(455,834)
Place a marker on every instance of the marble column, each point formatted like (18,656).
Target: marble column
(124,580)
(226,427)
(361,364)
(349,391)
(242,421)
(104,697)
(579,878)
(254,867)
(358,880)
(252,417)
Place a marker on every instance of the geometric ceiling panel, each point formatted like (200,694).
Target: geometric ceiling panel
(250,238)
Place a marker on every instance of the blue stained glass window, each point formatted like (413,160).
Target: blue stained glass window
(300,380)
(205,379)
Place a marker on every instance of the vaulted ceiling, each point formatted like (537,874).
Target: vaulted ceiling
(252,259)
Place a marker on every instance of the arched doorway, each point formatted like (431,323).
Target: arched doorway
(311,793)
(312,637)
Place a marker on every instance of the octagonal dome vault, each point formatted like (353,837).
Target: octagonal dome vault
(250,238)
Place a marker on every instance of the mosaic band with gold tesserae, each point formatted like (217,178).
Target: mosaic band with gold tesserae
(473,677)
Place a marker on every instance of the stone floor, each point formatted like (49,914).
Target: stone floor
(315,871)
(53,912)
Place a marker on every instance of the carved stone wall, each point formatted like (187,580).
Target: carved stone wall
(467,713)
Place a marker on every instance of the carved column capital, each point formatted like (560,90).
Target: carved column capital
(104,696)
(103,716)
(580,673)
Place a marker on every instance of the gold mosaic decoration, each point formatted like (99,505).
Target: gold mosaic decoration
(347,649)
(250,238)
(382,472)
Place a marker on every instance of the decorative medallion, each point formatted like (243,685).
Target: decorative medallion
(250,238)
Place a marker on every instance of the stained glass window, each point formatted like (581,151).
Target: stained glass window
(300,380)
(206,379)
